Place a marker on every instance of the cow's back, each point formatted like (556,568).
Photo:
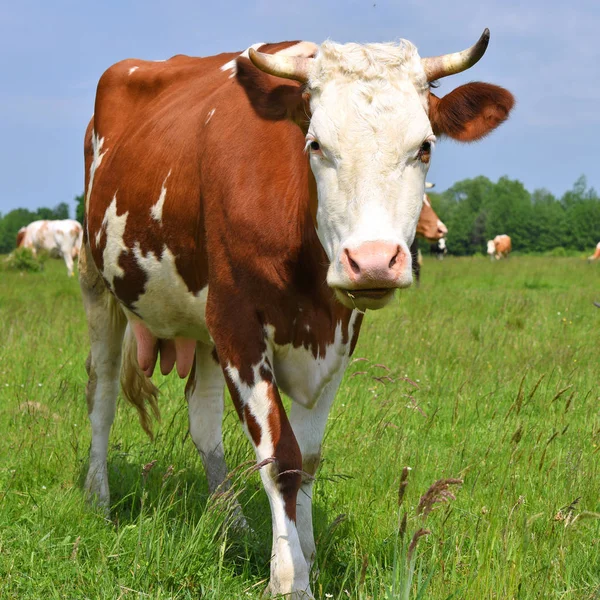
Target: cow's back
(178,162)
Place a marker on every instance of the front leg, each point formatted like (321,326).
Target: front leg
(258,403)
(309,426)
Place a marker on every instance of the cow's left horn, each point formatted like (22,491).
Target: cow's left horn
(450,64)
(290,67)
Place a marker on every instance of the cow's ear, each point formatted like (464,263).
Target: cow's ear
(271,99)
(471,111)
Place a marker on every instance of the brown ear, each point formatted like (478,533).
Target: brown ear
(269,98)
(471,111)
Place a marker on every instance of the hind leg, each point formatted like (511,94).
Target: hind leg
(68,262)
(106,325)
(204,393)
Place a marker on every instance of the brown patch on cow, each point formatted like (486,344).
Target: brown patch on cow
(252,425)
(21,237)
(129,288)
(286,453)
(471,111)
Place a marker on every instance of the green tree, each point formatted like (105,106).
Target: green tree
(79,207)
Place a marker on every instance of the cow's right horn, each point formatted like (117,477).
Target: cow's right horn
(290,67)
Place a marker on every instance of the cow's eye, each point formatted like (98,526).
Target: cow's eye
(315,146)
(424,154)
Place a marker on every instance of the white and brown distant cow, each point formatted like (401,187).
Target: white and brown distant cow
(429,228)
(499,247)
(596,254)
(242,212)
(61,239)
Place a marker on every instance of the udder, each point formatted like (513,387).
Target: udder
(178,352)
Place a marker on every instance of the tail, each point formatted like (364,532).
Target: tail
(136,387)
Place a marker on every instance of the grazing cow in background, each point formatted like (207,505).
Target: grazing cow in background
(61,239)
(429,228)
(439,249)
(596,254)
(242,212)
(499,247)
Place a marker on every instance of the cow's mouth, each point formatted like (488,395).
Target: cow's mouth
(373,293)
(367,298)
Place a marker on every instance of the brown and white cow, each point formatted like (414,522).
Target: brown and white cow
(596,254)
(430,228)
(61,239)
(499,247)
(242,212)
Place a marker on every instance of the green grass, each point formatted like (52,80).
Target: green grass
(492,376)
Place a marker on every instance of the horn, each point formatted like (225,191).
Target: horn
(290,67)
(428,185)
(450,64)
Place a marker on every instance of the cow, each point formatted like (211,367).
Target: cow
(242,213)
(61,239)
(429,228)
(596,254)
(499,247)
(439,249)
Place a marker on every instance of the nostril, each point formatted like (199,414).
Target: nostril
(353,264)
(394,258)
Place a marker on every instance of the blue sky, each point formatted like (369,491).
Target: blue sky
(546,52)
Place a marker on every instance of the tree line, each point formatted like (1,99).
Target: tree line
(474,210)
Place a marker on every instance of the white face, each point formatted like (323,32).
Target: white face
(491,248)
(369,145)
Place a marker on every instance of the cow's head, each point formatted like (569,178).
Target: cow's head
(21,236)
(491,247)
(373,126)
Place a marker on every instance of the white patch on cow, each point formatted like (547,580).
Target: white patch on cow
(302,376)
(426,200)
(156,210)
(256,398)
(97,144)
(184,314)
(133,69)
(442,243)
(114,227)
(209,116)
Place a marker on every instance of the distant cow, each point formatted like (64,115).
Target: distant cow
(430,228)
(61,239)
(499,247)
(439,249)
(596,254)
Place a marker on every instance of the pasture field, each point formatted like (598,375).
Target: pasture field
(488,373)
